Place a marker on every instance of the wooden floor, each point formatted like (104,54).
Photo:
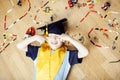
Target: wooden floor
(14,65)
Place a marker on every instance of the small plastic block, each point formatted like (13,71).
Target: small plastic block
(70,3)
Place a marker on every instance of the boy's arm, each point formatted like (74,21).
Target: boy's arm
(82,50)
(23,45)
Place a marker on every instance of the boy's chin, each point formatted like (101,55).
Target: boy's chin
(55,47)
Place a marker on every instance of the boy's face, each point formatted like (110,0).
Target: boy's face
(54,41)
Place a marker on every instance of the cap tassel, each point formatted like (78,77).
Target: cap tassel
(46,30)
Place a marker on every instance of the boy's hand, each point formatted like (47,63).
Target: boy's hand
(65,37)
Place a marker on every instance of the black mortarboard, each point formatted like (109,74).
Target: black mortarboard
(55,27)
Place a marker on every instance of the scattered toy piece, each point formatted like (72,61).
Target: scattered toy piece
(115,61)
(30,32)
(8,39)
(72,2)
(106,6)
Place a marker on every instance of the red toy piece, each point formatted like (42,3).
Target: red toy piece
(72,2)
(30,32)
(106,6)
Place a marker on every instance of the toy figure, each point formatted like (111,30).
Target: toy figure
(106,6)
(20,2)
(72,2)
(47,9)
(52,59)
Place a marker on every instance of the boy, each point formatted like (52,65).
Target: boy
(52,60)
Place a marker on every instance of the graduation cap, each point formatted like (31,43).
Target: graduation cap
(55,27)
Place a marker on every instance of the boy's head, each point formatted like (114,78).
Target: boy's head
(53,31)
(54,41)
